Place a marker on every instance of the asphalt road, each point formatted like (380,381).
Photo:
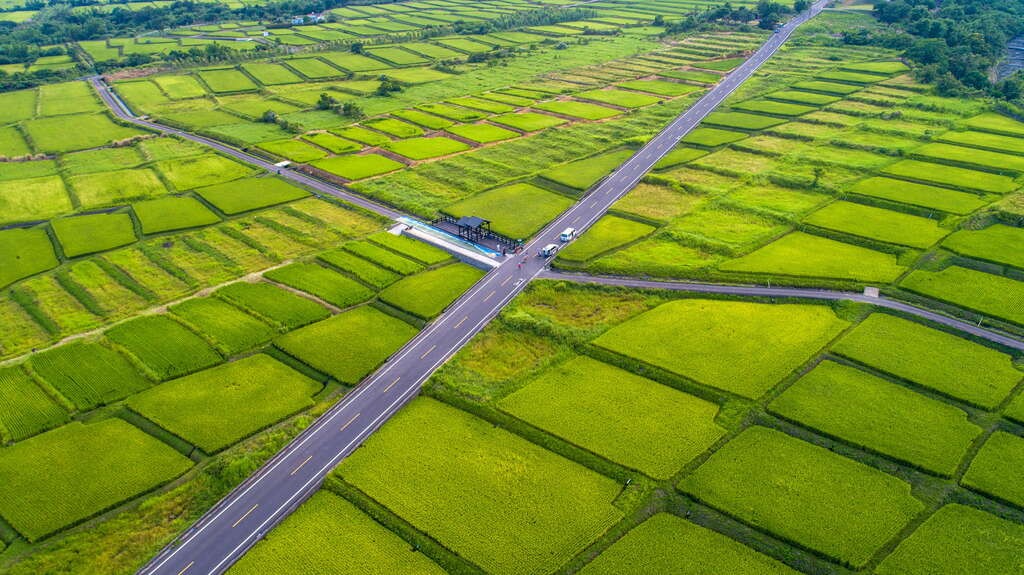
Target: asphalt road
(237,522)
(118,107)
(801,293)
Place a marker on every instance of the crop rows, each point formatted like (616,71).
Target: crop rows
(256,391)
(48,484)
(824,431)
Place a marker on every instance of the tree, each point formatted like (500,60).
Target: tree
(292,127)
(351,110)
(818,173)
(917,13)
(955,43)
(659,20)
(801,5)
(768,21)
(948,85)
(137,59)
(974,78)
(929,51)
(742,14)
(768,13)
(356,47)
(269,117)
(1010,88)
(890,12)
(856,37)
(387,85)
(326,101)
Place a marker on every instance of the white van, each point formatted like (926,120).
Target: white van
(547,251)
(568,234)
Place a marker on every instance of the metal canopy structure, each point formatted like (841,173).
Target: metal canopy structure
(473,228)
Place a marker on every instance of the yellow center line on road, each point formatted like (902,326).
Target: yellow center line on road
(187,567)
(428,351)
(461,321)
(240,519)
(594,205)
(392,384)
(576,219)
(488,296)
(506,281)
(296,470)
(350,421)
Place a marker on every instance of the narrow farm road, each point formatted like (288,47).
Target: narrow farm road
(238,521)
(121,110)
(799,293)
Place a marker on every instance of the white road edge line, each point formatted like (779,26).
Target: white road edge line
(391,408)
(773,46)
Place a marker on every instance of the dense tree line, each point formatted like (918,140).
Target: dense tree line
(26,79)
(539,17)
(58,23)
(22,80)
(955,43)
(766,13)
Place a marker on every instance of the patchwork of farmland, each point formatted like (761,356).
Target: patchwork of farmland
(164,390)
(865,422)
(394,30)
(217,309)
(128,224)
(439,125)
(825,175)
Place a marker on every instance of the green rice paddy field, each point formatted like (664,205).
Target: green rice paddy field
(318,344)
(362,544)
(666,543)
(595,405)
(517,211)
(937,435)
(426,295)
(48,485)
(110,266)
(958,531)
(325,284)
(258,391)
(811,496)
(541,511)
(717,335)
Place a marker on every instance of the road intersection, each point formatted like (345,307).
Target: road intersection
(794,293)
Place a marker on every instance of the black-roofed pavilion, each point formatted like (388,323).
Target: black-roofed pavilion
(473,228)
